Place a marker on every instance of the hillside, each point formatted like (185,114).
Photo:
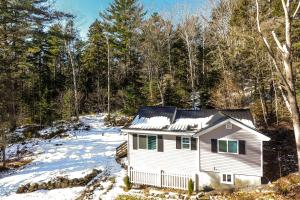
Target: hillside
(285,188)
(71,157)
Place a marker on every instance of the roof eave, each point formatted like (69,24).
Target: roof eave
(163,132)
(237,123)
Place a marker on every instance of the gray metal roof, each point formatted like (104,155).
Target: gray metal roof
(155,111)
(184,113)
(238,113)
(154,117)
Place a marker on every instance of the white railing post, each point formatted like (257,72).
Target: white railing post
(195,182)
(129,173)
(160,178)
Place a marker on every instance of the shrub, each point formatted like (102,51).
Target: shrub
(241,183)
(127,183)
(190,186)
(112,179)
(294,178)
(282,186)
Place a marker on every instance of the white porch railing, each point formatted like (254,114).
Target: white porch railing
(161,179)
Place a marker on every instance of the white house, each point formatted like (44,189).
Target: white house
(168,146)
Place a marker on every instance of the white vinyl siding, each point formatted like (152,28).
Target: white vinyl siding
(170,160)
(248,164)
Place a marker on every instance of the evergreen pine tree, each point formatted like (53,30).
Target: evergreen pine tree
(122,21)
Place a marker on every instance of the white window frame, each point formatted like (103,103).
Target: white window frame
(226,182)
(227,141)
(186,143)
(138,142)
(228,125)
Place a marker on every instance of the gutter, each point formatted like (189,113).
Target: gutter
(128,130)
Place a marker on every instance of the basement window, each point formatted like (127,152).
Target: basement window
(227,178)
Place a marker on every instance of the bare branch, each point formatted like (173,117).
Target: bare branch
(260,32)
(297,9)
(285,99)
(270,51)
(277,41)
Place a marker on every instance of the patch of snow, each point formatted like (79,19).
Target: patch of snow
(117,187)
(186,123)
(72,157)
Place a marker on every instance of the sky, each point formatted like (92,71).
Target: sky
(87,11)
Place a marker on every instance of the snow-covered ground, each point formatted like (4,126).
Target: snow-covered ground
(73,157)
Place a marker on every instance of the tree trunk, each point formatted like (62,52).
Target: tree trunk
(3,157)
(169,57)
(161,93)
(263,106)
(191,69)
(108,78)
(203,56)
(74,81)
(296,123)
(150,85)
(287,76)
(98,92)
(276,102)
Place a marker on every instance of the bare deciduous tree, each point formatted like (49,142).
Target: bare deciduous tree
(189,31)
(108,75)
(157,34)
(284,64)
(227,94)
(69,37)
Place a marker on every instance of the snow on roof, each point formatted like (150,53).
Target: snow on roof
(158,122)
(184,124)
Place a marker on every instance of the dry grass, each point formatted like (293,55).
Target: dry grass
(14,164)
(128,197)
(285,188)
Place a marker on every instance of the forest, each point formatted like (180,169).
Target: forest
(132,57)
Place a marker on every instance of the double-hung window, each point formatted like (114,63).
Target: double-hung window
(147,142)
(227,178)
(151,142)
(228,146)
(186,143)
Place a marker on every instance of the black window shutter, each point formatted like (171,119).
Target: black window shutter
(160,142)
(193,143)
(214,145)
(178,142)
(242,147)
(134,143)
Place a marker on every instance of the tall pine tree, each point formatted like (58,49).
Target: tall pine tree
(122,22)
